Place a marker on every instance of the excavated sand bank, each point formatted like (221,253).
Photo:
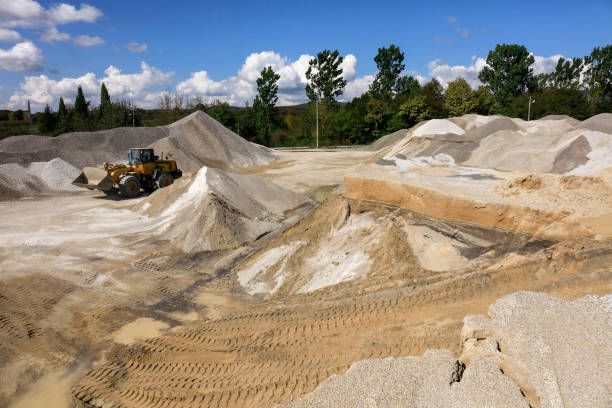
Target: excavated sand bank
(556,207)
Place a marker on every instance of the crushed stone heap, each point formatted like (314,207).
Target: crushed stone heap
(534,350)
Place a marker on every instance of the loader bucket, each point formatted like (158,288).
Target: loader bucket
(94,178)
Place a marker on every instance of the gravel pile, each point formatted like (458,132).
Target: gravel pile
(555,354)
(40,177)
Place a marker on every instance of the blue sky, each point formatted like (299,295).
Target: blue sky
(215,49)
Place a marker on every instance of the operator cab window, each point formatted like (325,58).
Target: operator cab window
(147,156)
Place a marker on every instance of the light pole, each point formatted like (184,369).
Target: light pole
(317,109)
(529,109)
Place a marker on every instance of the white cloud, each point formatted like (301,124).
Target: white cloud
(463,32)
(66,13)
(357,87)
(451,19)
(51,35)
(87,41)
(445,73)
(545,65)
(237,90)
(133,46)
(23,57)
(137,87)
(7,35)
(30,14)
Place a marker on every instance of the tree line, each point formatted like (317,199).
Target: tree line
(578,87)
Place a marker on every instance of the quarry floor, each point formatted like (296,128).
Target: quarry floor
(81,278)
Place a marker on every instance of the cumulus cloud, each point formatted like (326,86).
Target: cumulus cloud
(30,14)
(444,72)
(545,65)
(138,87)
(87,41)
(7,35)
(52,34)
(135,47)
(23,57)
(241,88)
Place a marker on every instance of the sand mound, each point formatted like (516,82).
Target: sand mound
(194,141)
(215,210)
(556,144)
(40,177)
(198,140)
(437,127)
(554,354)
(387,140)
(80,149)
(599,123)
(566,118)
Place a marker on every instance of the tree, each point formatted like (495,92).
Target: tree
(406,84)
(598,75)
(413,111)
(434,100)
(389,62)
(265,102)
(106,107)
(508,73)
(459,98)
(325,76)
(376,118)
(81,106)
(220,111)
(48,122)
(566,74)
(484,101)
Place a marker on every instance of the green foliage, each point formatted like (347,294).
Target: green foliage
(406,85)
(81,106)
(376,118)
(106,109)
(508,73)
(389,62)
(550,101)
(566,74)
(220,111)
(413,111)
(484,101)
(434,100)
(48,123)
(264,104)
(598,75)
(325,76)
(459,98)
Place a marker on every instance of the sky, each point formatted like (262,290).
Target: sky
(215,50)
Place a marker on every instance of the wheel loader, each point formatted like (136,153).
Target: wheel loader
(144,171)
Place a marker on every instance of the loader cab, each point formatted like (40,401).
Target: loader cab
(141,156)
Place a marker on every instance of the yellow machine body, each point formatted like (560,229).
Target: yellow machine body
(147,171)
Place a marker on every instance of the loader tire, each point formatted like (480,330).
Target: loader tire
(111,192)
(129,186)
(164,180)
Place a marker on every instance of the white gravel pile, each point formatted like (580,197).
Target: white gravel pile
(40,177)
(437,127)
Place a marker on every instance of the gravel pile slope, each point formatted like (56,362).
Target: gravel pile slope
(555,354)
(198,140)
(555,144)
(40,177)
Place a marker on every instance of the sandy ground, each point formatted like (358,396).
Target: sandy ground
(85,289)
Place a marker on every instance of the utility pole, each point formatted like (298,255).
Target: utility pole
(529,108)
(317,108)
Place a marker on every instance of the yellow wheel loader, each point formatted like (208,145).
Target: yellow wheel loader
(144,171)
